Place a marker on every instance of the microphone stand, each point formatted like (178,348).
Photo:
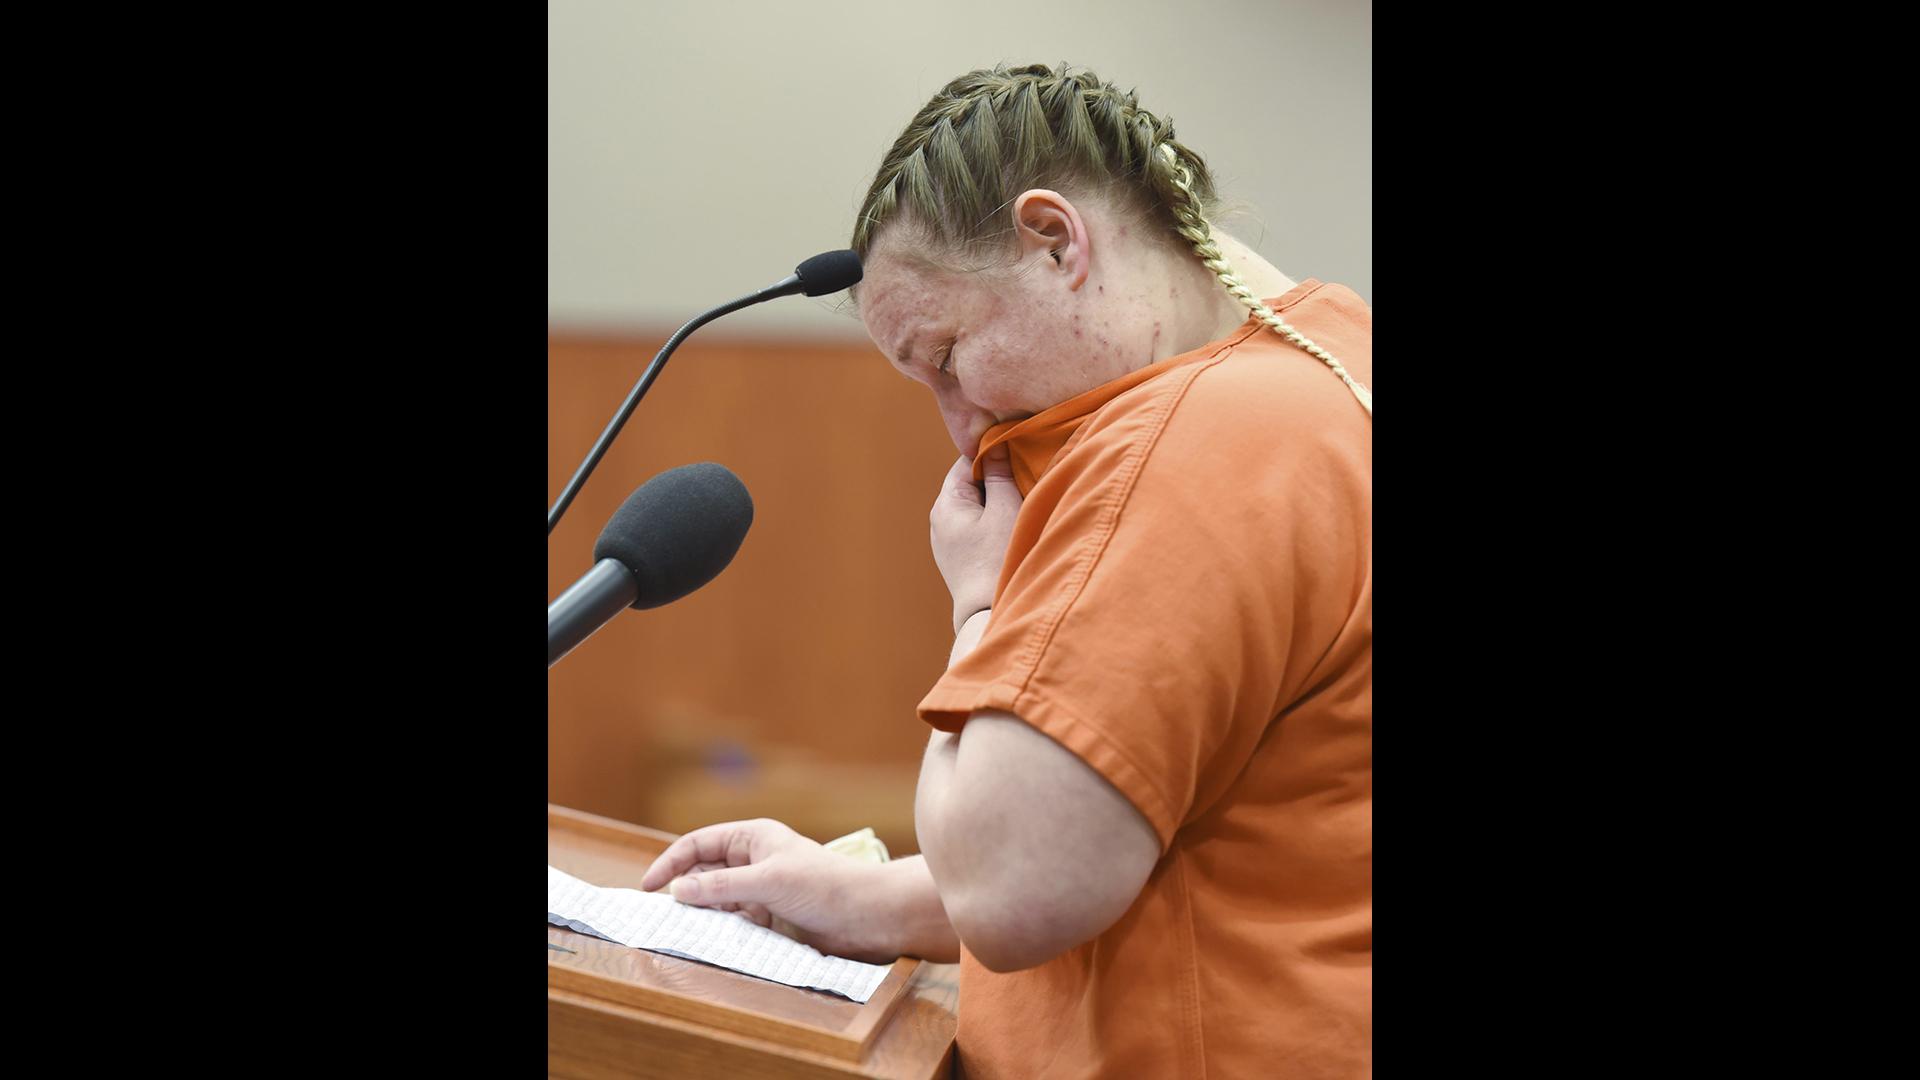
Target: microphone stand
(791,284)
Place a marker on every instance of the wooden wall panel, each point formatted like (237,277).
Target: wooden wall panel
(785,687)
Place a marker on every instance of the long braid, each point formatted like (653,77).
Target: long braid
(1194,227)
(991,134)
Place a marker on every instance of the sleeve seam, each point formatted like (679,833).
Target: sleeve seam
(1023,705)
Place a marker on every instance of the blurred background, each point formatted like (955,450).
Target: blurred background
(698,151)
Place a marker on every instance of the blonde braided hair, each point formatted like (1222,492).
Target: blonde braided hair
(1193,225)
(993,133)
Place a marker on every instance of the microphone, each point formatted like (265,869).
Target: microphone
(675,533)
(828,272)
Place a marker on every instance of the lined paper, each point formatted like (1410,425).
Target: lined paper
(659,923)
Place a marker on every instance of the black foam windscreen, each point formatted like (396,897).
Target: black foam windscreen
(678,530)
(829,272)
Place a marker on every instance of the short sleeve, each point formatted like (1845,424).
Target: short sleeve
(1188,561)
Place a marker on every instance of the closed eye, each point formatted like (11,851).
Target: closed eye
(946,360)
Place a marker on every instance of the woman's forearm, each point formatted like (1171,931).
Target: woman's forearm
(915,914)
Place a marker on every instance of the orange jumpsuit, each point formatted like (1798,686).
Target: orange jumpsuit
(1187,605)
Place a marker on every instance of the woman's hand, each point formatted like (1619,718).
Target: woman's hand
(970,531)
(766,871)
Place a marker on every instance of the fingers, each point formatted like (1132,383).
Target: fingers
(753,913)
(958,487)
(998,475)
(1002,499)
(680,856)
(759,884)
(703,866)
(727,844)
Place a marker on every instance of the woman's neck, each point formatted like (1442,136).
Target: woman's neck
(1204,310)
(1260,275)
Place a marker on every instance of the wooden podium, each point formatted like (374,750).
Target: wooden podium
(613,1011)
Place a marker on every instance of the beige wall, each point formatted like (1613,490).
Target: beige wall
(697,150)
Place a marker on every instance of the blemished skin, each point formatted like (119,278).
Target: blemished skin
(1027,852)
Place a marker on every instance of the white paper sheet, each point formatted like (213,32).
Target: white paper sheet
(659,923)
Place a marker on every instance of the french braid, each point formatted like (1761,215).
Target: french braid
(991,134)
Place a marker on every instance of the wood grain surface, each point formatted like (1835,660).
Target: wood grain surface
(795,672)
(617,1011)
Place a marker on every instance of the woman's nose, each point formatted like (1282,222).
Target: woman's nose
(964,425)
(964,422)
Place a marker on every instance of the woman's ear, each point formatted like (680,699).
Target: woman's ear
(1044,221)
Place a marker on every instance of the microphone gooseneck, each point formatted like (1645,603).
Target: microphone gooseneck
(828,272)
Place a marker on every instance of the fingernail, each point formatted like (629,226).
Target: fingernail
(685,888)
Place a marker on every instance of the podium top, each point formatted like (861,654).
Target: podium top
(615,854)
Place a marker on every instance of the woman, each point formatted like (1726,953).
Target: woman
(1145,811)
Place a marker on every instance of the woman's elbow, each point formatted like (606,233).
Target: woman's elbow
(1002,948)
(1008,935)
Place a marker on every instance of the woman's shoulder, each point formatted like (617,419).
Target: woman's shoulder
(1267,389)
(1243,420)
